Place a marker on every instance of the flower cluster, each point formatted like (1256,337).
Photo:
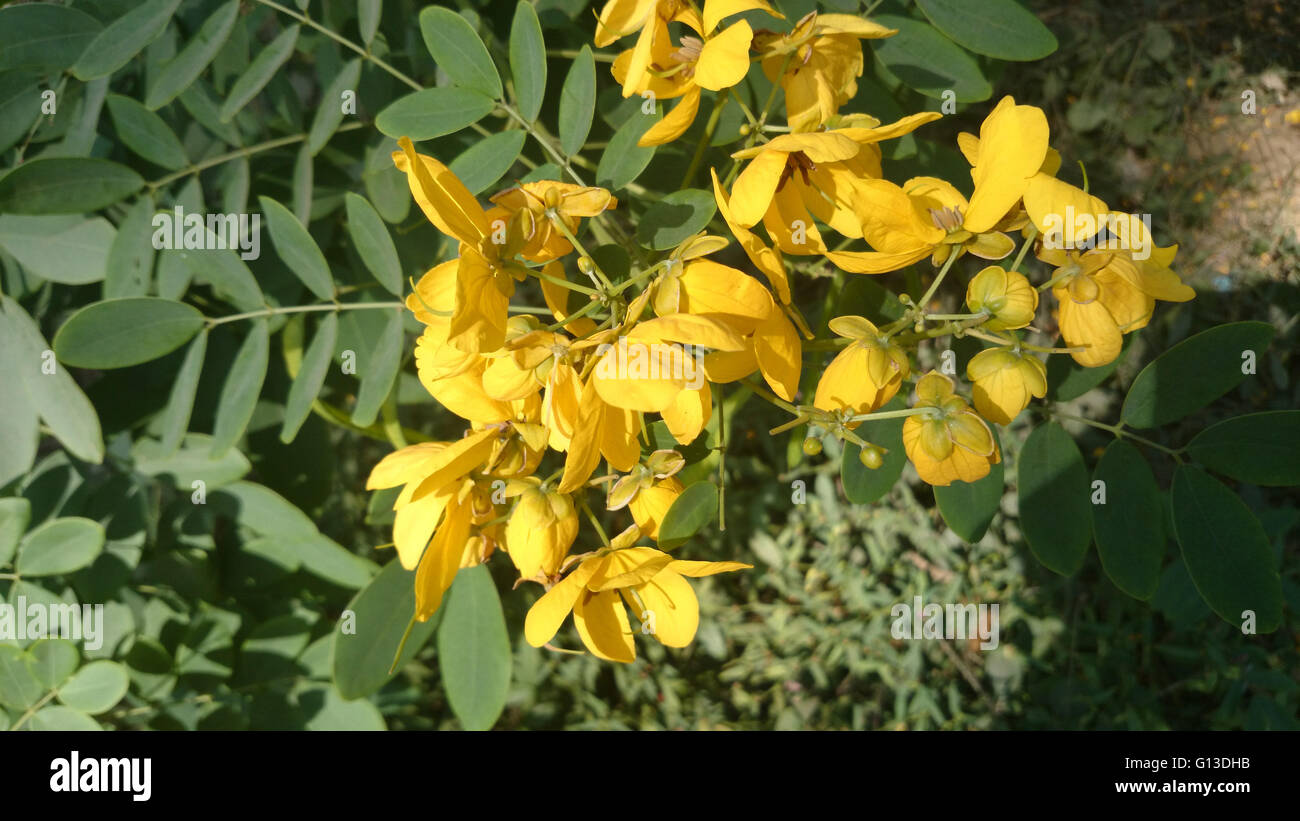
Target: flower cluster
(549,395)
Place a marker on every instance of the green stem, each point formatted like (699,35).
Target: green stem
(299,309)
(894,414)
(343,41)
(1029,240)
(710,128)
(234,155)
(1117,431)
(934,286)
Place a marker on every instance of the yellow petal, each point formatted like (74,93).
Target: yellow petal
(711,288)
(688,413)
(441,561)
(455,461)
(413,527)
(765,259)
(602,624)
(651,503)
(753,190)
(724,59)
(675,123)
(1090,325)
(780,353)
(1013,143)
(404,465)
(441,195)
(715,11)
(672,612)
(548,613)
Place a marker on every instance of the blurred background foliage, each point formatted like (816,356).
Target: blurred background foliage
(224,615)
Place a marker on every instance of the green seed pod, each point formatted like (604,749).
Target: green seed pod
(871,457)
(812,446)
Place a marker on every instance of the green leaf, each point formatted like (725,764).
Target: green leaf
(96,688)
(311,376)
(1226,550)
(368,14)
(1055,512)
(329,114)
(672,219)
(969,507)
(20,433)
(487,160)
(457,50)
(20,102)
(67,249)
(259,72)
(145,133)
(118,333)
(326,559)
(66,185)
(228,275)
(129,269)
(862,485)
(623,160)
(263,511)
(995,28)
(15,513)
(691,511)
(60,546)
(334,714)
(180,402)
(19,688)
(186,66)
(57,718)
(1259,448)
(1067,379)
(474,650)
(929,62)
(297,248)
(1193,373)
(124,38)
(376,620)
(1129,525)
(192,461)
(578,102)
(380,371)
(528,61)
(373,243)
(432,112)
(44,37)
(55,396)
(53,660)
(240,391)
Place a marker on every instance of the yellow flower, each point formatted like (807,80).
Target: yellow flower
(822,60)
(442,499)
(1004,381)
(1007,296)
(1104,294)
(541,529)
(929,217)
(650,581)
(485,277)
(950,442)
(534,203)
(796,177)
(712,61)
(866,374)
